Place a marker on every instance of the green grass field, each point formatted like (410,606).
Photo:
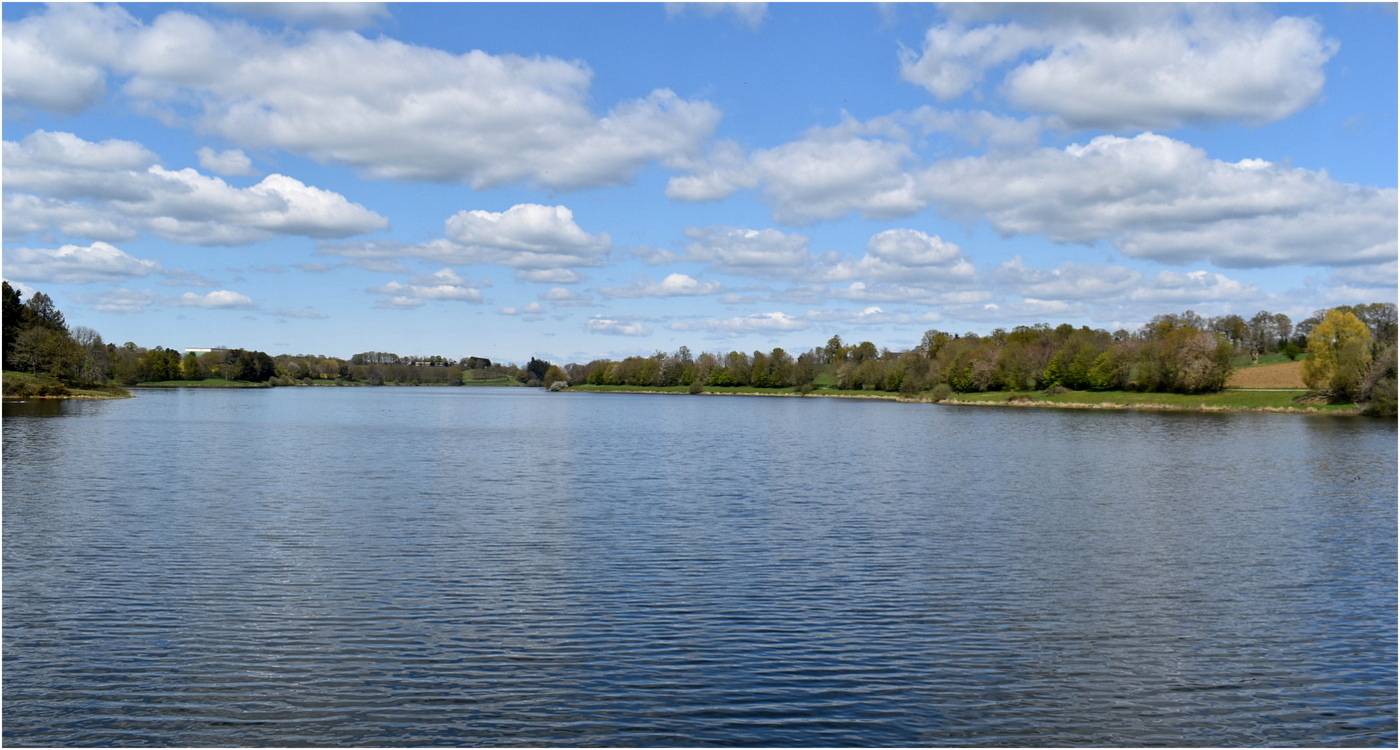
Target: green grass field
(1244,360)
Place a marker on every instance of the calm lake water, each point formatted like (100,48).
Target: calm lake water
(454,566)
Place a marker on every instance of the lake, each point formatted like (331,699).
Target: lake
(462,566)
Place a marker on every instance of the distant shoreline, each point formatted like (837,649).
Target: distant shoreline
(1277,401)
(1260,400)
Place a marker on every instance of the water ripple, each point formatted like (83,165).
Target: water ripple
(398,567)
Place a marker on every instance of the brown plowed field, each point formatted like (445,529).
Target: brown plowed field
(1280,375)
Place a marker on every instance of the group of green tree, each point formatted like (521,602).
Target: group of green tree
(1350,357)
(38,341)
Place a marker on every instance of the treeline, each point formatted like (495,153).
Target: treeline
(132,364)
(1350,357)
(1174,353)
(384,368)
(38,341)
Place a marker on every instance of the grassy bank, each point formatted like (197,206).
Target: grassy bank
(206,383)
(494,383)
(1228,400)
(24,385)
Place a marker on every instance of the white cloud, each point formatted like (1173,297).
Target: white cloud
(54,61)
(871,316)
(758,252)
(119,300)
(860,291)
(72,264)
(829,175)
(955,58)
(751,15)
(113,190)
(232,162)
(550,275)
(1027,309)
(64,166)
(1067,281)
(770,322)
(674,285)
(218,299)
(392,110)
(1141,67)
(1194,287)
(533,308)
(527,236)
(905,256)
(1164,200)
(564,298)
(616,327)
(300,314)
(444,285)
(331,15)
(724,171)
(27,215)
(541,242)
(1379,276)
(444,276)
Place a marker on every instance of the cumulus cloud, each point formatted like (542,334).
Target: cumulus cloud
(861,291)
(616,327)
(1379,276)
(72,264)
(1194,287)
(674,285)
(1161,199)
(54,61)
(550,275)
(114,190)
(751,15)
(27,215)
(232,162)
(770,322)
(445,285)
(1028,309)
(1144,68)
(562,297)
(872,316)
(119,300)
(389,109)
(541,242)
(220,299)
(905,256)
(532,309)
(757,252)
(527,236)
(1067,281)
(328,15)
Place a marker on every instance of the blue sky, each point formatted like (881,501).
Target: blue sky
(577,180)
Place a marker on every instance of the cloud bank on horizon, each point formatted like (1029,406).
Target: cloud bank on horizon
(517,180)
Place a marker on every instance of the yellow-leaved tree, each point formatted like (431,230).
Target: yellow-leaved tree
(1339,355)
